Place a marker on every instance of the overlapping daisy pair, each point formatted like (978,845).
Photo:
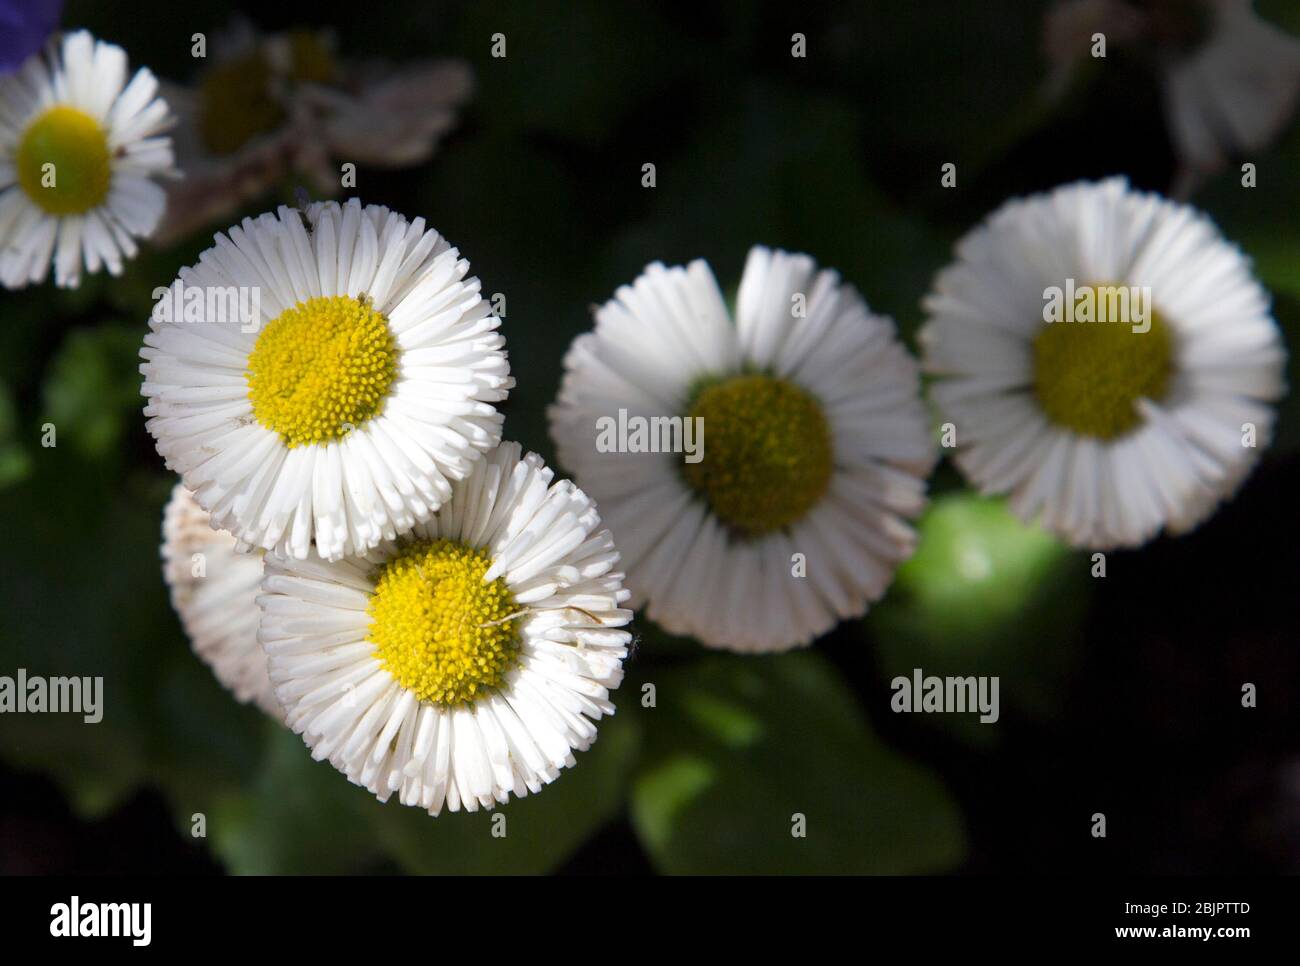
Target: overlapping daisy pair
(465,662)
(351,545)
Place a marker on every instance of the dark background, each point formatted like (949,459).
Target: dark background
(1120,695)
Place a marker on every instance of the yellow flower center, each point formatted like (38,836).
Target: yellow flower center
(438,627)
(237,101)
(321,369)
(767,452)
(1088,376)
(63,161)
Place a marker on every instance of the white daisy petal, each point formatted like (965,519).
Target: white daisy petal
(214,591)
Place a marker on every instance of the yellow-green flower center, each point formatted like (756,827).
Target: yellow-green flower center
(438,627)
(767,452)
(63,161)
(236,98)
(1088,376)
(321,369)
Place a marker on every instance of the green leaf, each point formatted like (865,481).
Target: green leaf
(303,816)
(986,595)
(93,388)
(15,461)
(1280,13)
(541,830)
(738,748)
(84,596)
(298,816)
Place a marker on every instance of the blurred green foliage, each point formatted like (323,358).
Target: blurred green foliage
(985,594)
(93,388)
(766,765)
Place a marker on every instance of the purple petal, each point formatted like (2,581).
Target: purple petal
(24,25)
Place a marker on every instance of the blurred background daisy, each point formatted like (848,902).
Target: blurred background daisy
(264,108)
(1123,689)
(1229,79)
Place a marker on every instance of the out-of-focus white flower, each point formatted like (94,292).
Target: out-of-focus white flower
(275,106)
(1229,80)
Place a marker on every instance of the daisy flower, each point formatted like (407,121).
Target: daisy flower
(214,591)
(272,106)
(1229,80)
(468,660)
(79,147)
(1145,411)
(816,447)
(322,376)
